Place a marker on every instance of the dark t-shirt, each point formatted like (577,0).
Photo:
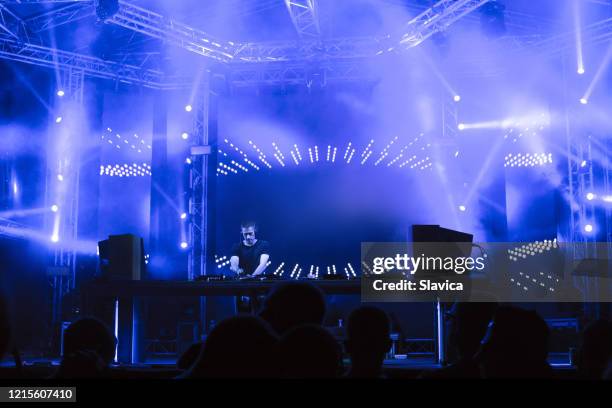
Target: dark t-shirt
(249,255)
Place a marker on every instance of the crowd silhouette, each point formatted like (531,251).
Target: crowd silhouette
(287,340)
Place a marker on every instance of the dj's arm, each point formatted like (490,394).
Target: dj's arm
(234,264)
(263,260)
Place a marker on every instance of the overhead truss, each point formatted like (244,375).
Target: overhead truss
(11,24)
(173,32)
(435,19)
(304,17)
(332,49)
(291,62)
(65,14)
(316,75)
(91,66)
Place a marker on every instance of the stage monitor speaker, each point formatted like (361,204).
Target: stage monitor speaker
(122,257)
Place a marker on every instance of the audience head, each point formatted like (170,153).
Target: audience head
(238,347)
(308,351)
(596,349)
(468,323)
(90,334)
(292,304)
(368,340)
(516,345)
(189,356)
(89,348)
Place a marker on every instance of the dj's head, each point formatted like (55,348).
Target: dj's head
(248,230)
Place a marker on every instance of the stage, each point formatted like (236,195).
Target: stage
(155,153)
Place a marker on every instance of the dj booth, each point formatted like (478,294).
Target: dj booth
(126,294)
(122,262)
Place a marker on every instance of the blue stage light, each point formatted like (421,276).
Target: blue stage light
(590,196)
(60,93)
(461,126)
(184,245)
(60,177)
(580,71)
(462,208)
(588,228)
(54,238)
(183,216)
(185,135)
(583,101)
(54,208)
(188,108)
(58,119)
(456,98)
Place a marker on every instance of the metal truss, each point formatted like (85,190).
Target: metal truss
(299,74)
(66,14)
(12,25)
(435,19)
(197,178)
(157,26)
(72,82)
(91,66)
(305,61)
(338,48)
(580,181)
(304,17)
(61,270)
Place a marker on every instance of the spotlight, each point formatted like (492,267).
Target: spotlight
(188,108)
(54,208)
(58,119)
(184,245)
(462,208)
(54,238)
(456,98)
(461,126)
(580,71)
(583,163)
(60,177)
(188,160)
(607,199)
(583,101)
(185,135)
(60,93)
(588,228)
(590,196)
(183,216)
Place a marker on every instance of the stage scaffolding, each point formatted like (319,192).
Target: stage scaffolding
(62,181)
(588,171)
(198,177)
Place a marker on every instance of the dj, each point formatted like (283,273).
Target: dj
(250,257)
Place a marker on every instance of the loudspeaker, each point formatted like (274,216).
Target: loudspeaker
(449,243)
(122,257)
